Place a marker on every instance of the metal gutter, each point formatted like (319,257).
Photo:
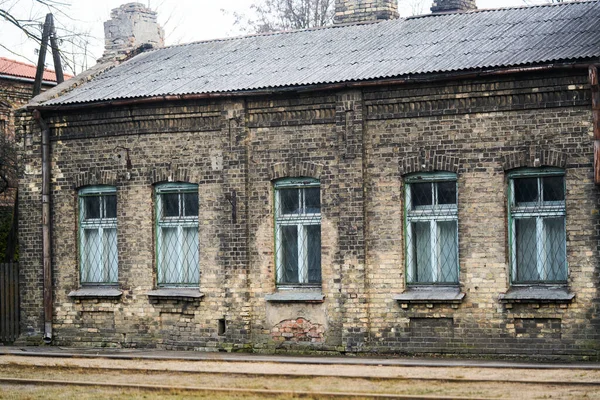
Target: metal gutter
(46,227)
(26,80)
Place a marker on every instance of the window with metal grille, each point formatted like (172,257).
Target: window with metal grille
(298,232)
(537,226)
(431,229)
(98,235)
(177,234)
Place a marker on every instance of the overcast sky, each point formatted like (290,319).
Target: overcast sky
(183,20)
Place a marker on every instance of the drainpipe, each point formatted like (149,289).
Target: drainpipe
(46,227)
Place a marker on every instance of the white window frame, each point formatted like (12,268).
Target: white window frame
(539,210)
(432,214)
(101,225)
(179,222)
(302,221)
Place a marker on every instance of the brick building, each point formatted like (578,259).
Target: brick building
(409,186)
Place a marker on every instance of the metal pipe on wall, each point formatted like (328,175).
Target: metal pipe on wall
(46,226)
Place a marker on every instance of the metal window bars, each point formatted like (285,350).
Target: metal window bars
(537,226)
(298,232)
(431,229)
(98,235)
(177,235)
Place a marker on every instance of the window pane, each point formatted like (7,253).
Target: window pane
(190,204)
(91,205)
(422,251)
(446,192)
(447,252)
(553,188)
(288,243)
(555,249)
(110,255)
(170,205)
(421,194)
(91,258)
(111,206)
(169,256)
(313,233)
(312,198)
(526,190)
(191,261)
(289,202)
(526,243)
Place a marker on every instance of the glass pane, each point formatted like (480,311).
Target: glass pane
(110,255)
(313,233)
(288,270)
(553,188)
(526,243)
(190,201)
(170,205)
(289,202)
(555,249)
(421,194)
(526,190)
(91,205)
(312,198)
(422,251)
(169,256)
(191,260)
(446,192)
(447,252)
(111,206)
(91,257)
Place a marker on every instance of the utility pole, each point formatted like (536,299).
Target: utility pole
(48,33)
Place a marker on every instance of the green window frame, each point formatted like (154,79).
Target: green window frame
(177,240)
(298,232)
(431,229)
(98,255)
(537,226)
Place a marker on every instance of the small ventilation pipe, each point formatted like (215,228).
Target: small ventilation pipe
(46,226)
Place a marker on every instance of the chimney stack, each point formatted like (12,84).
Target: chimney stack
(449,6)
(351,11)
(131,26)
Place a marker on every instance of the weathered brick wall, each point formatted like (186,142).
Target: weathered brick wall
(359,144)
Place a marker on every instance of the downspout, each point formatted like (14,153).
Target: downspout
(46,227)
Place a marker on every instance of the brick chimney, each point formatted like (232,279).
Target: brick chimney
(448,6)
(131,26)
(351,11)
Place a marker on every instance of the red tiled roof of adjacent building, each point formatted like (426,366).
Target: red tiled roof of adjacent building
(24,70)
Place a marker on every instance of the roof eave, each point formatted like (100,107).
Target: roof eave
(400,80)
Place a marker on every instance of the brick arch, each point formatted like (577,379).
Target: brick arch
(429,162)
(95,177)
(172,173)
(534,157)
(295,169)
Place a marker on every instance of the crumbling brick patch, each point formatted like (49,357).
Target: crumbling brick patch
(298,330)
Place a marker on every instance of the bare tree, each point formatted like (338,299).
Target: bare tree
(281,15)
(27,16)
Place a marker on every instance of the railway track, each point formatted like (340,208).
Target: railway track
(588,386)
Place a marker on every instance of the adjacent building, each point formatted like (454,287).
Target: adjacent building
(408,186)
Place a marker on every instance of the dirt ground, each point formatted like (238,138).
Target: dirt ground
(493,383)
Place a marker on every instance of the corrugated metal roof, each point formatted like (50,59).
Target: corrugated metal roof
(23,70)
(427,44)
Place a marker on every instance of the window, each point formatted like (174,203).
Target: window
(177,234)
(298,232)
(431,229)
(537,226)
(98,235)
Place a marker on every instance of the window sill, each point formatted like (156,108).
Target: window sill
(96,293)
(296,296)
(430,295)
(181,294)
(537,294)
